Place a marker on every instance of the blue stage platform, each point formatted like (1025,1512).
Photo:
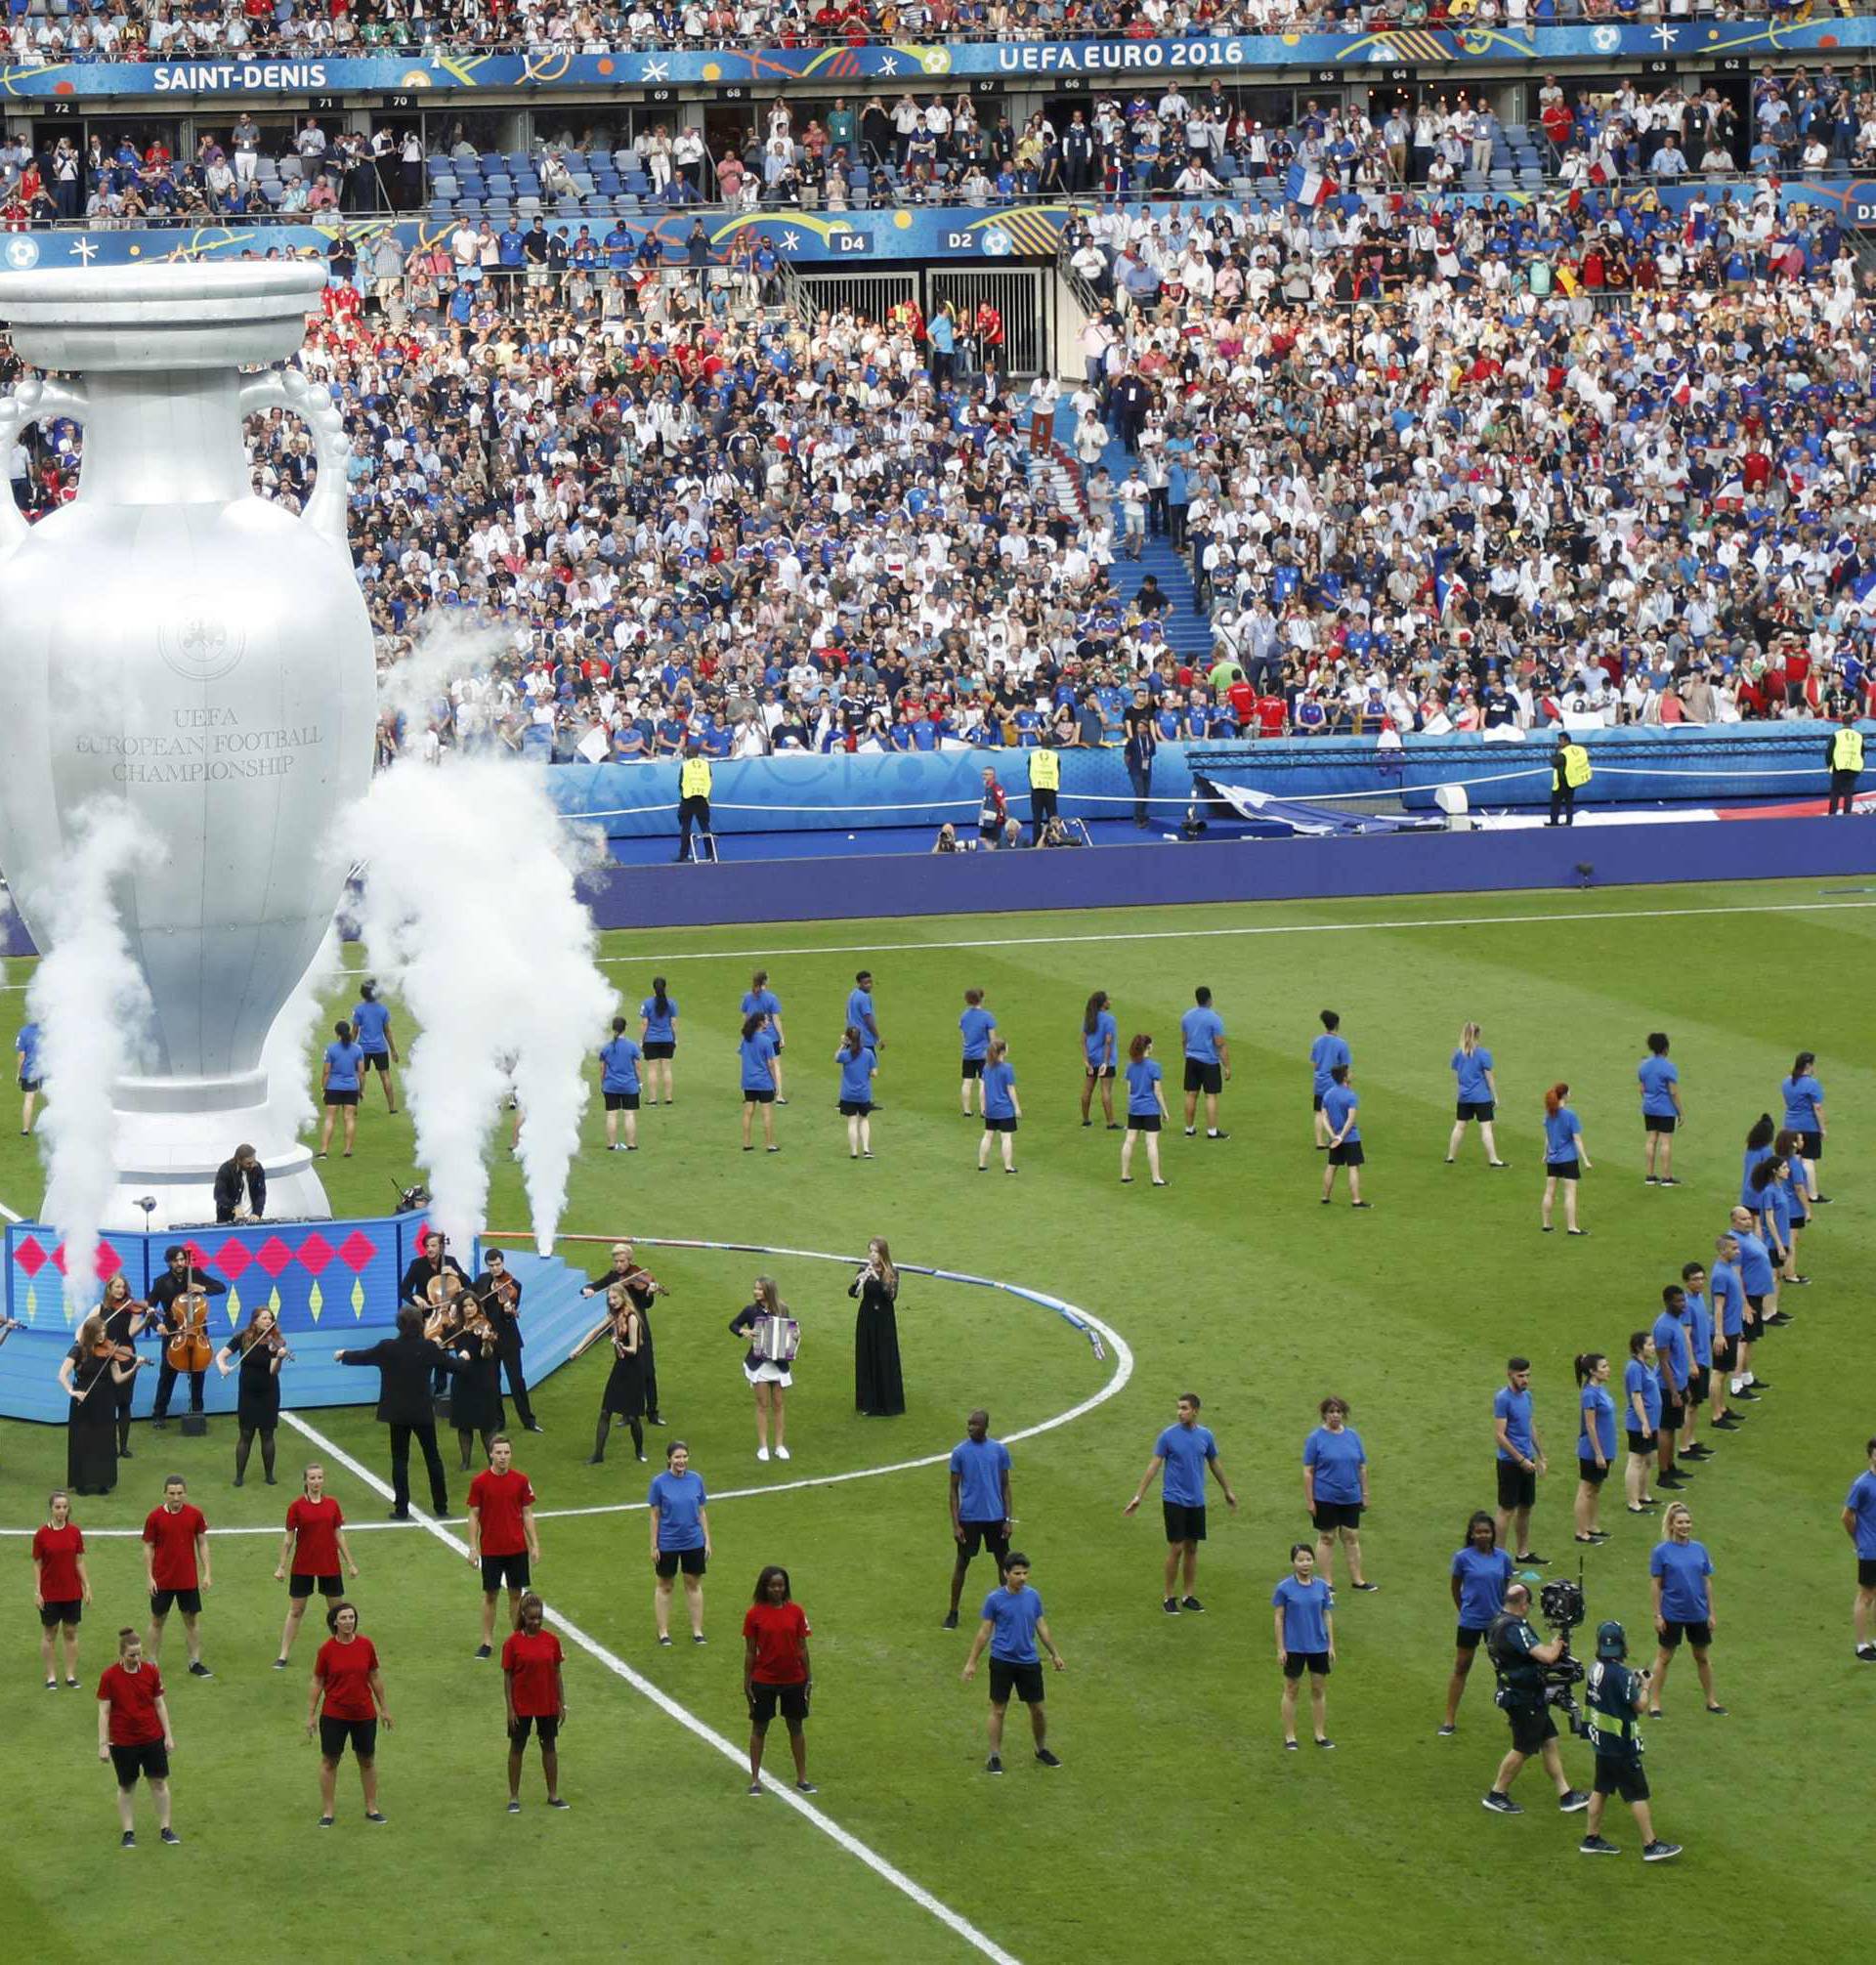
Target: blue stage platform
(332,1284)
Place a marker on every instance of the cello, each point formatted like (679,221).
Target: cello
(187,1347)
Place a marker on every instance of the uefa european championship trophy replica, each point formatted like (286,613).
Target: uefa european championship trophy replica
(171,640)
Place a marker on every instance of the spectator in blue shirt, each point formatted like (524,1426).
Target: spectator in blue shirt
(1100,1045)
(1480,1573)
(1859,1524)
(25,1058)
(1303,1607)
(1520,1455)
(1012,1622)
(1339,1105)
(1328,1051)
(1335,1490)
(975,1027)
(658,1033)
(619,1086)
(1565,1158)
(858,1062)
(981,1506)
(1471,1065)
(371,1026)
(1145,1108)
(1003,1110)
(339,1087)
(1208,1062)
(1682,1576)
(680,1539)
(756,1051)
(1185,1450)
(1803,1098)
(1660,1081)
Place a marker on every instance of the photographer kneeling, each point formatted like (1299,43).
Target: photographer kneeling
(1616,1695)
(1519,1658)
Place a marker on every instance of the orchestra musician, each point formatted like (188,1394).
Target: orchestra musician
(240,1187)
(475,1402)
(91,1442)
(501,1293)
(260,1351)
(181,1278)
(404,1365)
(624,1394)
(641,1286)
(124,1319)
(431,1262)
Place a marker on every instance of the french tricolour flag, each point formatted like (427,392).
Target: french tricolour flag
(1306,187)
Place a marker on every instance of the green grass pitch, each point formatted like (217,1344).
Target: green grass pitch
(1175,1822)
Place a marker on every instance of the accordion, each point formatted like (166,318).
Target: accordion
(775,1340)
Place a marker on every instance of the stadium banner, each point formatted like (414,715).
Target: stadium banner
(1053,64)
(1032,232)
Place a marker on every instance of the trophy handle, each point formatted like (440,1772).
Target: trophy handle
(288,388)
(30,403)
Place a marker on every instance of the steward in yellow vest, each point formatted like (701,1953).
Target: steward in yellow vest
(1044,783)
(1569,768)
(693,802)
(1846,759)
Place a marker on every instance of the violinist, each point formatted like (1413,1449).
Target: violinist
(474,1398)
(181,1280)
(501,1293)
(624,1394)
(641,1286)
(91,1442)
(124,1319)
(260,1351)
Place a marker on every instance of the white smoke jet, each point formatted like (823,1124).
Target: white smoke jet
(284,1055)
(469,911)
(447,646)
(93,1009)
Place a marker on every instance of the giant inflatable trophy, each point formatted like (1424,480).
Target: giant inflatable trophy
(172,640)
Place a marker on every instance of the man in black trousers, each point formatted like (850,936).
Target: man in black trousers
(404,1365)
(501,1297)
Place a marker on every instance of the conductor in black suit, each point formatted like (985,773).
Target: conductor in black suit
(406,1364)
(501,1297)
(244,1171)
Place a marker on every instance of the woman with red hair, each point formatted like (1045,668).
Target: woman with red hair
(1565,1158)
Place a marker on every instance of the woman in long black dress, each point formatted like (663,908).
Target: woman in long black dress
(475,1403)
(260,1351)
(91,1425)
(879,1384)
(626,1385)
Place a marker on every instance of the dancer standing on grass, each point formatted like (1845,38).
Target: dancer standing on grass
(1700,1376)
(1185,1449)
(1100,1035)
(680,1524)
(1339,1105)
(755,1052)
(618,1061)
(26,1059)
(1471,1066)
(761,1001)
(1681,1577)
(1208,1063)
(1859,1524)
(1660,1080)
(1304,1606)
(975,1027)
(311,1551)
(776,1672)
(1335,1490)
(534,1695)
(1481,1572)
(372,1031)
(857,1065)
(1146,1111)
(61,1587)
(1595,1442)
(1803,1098)
(176,1568)
(1673,1365)
(1002,1109)
(340,1085)
(134,1736)
(1328,1051)
(657,1033)
(1521,1456)
(1731,1351)
(860,1013)
(345,1702)
(1565,1158)
(1641,1402)
(981,1509)
(768,1377)
(1012,1621)
(504,1542)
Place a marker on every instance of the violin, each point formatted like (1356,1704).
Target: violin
(188,1349)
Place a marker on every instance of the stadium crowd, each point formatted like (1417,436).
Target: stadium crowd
(1439,470)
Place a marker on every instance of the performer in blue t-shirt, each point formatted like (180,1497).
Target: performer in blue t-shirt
(1480,1573)
(658,1033)
(1185,1450)
(755,1053)
(1859,1524)
(759,1000)
(975,1027)
(1329,1050)
(1146,1111)
(1208,1063)
(1100,1044)
(25,1058)
(371,1027)
(858,1062)
(981,1507)
(618,1061)
(1681,1574)
(1471,1066)
(1660,1081)
(1338,1111)
(1012,1622)
(680,1539)
(1565,1159)
(1306,1631)
(1002,1109)
(340,1083)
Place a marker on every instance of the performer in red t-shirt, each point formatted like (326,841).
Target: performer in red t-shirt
(315,1545)
(501,1534)
(60,1589)
(344,1698)
(536,1700)
(776,1672)
(133,1733)
(176,1562)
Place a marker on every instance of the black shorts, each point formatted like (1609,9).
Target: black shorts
(70,1611)
(1620,1775)
(1755,1309)
(1348,1154)
(511,1569)
(758,1094)
(1658,1122)
(1468,1639)
(855,1108)
(1184,1523)
(336,1735)
(545,1726)
(1516,1485)
(1099,1071)
(150,1758)
(1315,1663)
(188,1602)
(1007,1677)
(1643,1442)
(1698,1632)
(1866,1572)
(376,1060)
(1810,1145)
(1674,1414)
(621,1101)
(1336,1515)
(1000,1125)
(1700,1384)
(1563,1170)
(991,1535)
(1143,1122)
(1315,1102)
(301,1587)
(1728,1353)
(1203,1077)
(1531,1726)
(1476,1108)
(671,1561)
(972,1067)
(341,1098)
(791,1699)
(665,1048)
(1594,1476)
(31,1084)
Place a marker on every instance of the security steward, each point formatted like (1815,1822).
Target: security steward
(692,799)
(1569,771)
(1045,783)
(1616,1695)
(1519,1654)
(1845,756)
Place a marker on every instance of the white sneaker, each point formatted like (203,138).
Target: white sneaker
(761,1453)
(781,1453)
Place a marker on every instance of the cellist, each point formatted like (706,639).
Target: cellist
(181,1280)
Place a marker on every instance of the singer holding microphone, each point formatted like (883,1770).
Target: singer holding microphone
(878,1384)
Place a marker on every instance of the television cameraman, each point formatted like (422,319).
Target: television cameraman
(1616,1695)
(1518,1656)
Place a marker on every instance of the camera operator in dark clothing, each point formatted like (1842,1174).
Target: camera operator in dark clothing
(1518,1656)
(1616,1695)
